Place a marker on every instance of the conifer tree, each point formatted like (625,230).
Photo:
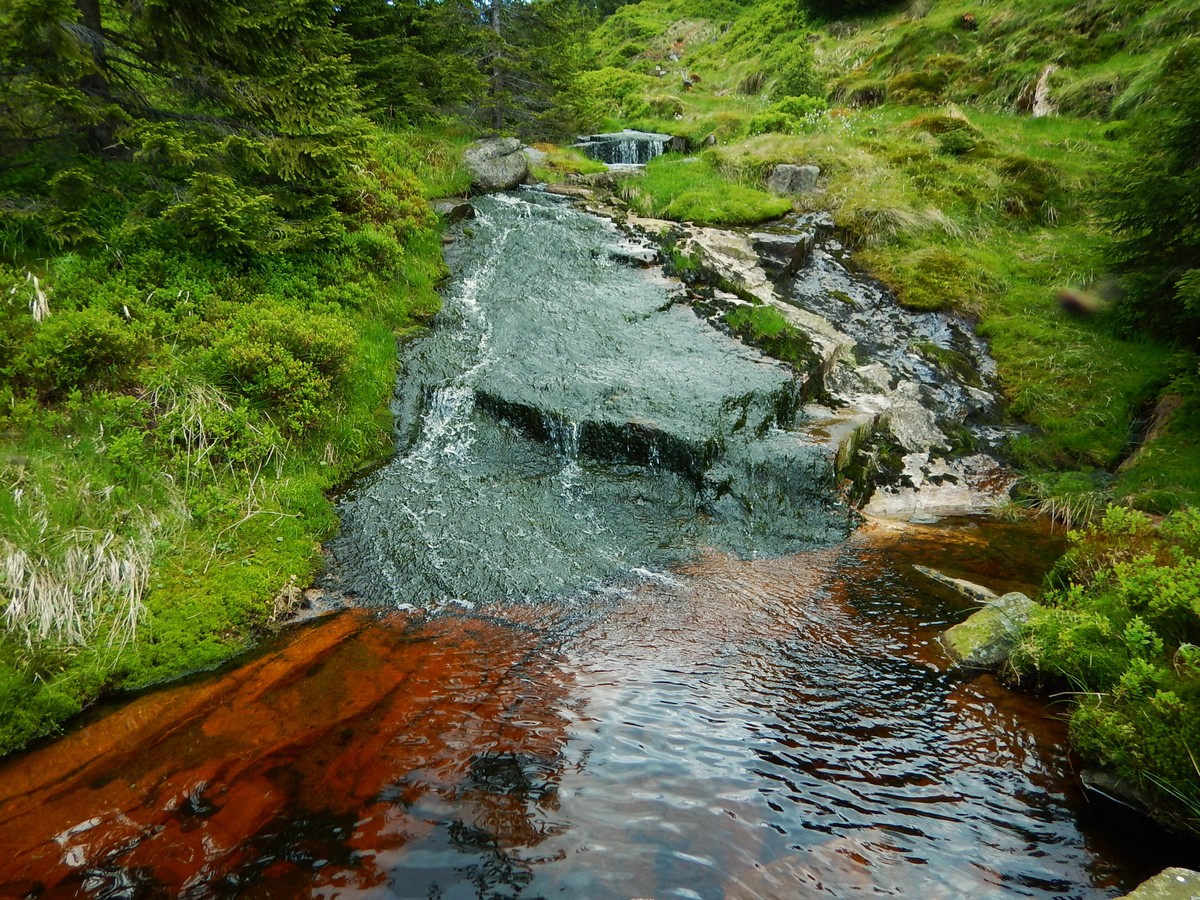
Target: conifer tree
(535,51)
(243,119)
(1154,206)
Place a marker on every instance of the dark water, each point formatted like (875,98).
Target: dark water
(619,645)
(765,728)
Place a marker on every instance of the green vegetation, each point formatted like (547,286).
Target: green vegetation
(215,230)
(170,428)
(562,162)
(1122,630)
(688,189)
(959,198)
(207,255)
(766,327)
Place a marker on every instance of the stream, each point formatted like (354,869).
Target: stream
(614,636)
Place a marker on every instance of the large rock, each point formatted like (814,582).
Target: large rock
(789,179)
(783,254)
(985,639)
(1169,884)
(497,164)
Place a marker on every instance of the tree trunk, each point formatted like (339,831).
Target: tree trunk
(497,86)
(95,84)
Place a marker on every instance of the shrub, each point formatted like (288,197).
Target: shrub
(217,213)
(1155,208)
(791,115)
(798,74)
(74,349)
(285,359)
(1123,631)
(666,106)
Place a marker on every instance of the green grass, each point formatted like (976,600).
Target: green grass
(562,162)
(690,189)
(169,500)
(766,328)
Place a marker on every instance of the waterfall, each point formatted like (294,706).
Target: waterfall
(625,148)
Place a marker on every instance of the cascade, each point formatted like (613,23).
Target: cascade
(625,148)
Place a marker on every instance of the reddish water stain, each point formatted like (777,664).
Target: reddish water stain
(741,729)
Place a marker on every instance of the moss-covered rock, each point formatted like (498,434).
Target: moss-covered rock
(1169,884)
(985,638)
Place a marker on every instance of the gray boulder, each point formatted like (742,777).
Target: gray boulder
(985,639)
(452,209)
(535,156)
(789,179)
(783,254)
(497,164)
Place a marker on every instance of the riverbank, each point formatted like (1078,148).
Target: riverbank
(172,428)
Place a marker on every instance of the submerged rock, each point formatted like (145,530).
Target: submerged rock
(986,638)
(929,487)
(497,164)
(969,589)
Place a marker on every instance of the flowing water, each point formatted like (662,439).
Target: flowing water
(614,642)
(624,148)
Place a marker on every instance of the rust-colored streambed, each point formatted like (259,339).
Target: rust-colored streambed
(775,728)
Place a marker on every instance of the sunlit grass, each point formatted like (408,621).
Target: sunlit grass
(690,189)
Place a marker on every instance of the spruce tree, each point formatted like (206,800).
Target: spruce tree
(1154,206)
(243,122)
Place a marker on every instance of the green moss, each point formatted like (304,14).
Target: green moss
(691,189)
(935,278)
(766,328)
(564,161)
(954,364)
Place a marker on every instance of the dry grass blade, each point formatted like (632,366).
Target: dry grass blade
(64,597)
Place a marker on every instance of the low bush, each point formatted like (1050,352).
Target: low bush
(1122,630)
(791,115)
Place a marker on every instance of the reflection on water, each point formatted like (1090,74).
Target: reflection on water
(772,728)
